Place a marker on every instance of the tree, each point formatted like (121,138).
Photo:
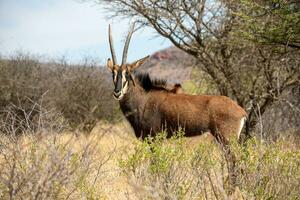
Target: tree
(253,74)
(271,22)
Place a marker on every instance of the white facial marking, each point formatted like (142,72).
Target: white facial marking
(124,86)
(124,82)
(115,75)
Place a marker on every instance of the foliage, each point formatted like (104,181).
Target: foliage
(199,84)
(81,93)
(268,171)
(253,74)
(271,22)
(163,169)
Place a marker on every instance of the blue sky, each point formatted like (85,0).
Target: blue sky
(69,28)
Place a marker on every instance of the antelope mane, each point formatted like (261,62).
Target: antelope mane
(148,84)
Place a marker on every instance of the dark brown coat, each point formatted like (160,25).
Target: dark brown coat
(150,106)
(153,110)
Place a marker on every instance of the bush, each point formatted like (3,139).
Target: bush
(269,171)
(22,120)
(171,170)
(82,93)
(48,165)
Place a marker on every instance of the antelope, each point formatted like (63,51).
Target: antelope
(150,107)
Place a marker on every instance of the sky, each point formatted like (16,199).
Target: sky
(72,29)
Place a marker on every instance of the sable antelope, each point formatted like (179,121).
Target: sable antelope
(150,107)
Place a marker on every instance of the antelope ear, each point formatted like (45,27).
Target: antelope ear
(110,64)
(137,63)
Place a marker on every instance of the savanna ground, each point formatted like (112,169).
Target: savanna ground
(109,163)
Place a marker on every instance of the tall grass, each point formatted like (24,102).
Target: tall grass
(42,159)
(51,162)
(172,170)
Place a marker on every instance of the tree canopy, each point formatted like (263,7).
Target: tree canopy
(250,49)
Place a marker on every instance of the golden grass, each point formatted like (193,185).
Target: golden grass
(103,147)
(87,166)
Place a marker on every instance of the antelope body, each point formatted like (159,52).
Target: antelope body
(150,107)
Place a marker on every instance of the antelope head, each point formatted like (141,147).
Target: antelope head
(122,74)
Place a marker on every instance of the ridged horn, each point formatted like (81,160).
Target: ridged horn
(125,50)
(111,45)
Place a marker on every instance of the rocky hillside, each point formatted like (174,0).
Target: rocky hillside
(171,64)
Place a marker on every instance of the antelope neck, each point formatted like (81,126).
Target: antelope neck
(133,100)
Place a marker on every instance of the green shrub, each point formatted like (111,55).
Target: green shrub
(170,169)
(268,171)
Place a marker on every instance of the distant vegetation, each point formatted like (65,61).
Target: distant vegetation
(81,94)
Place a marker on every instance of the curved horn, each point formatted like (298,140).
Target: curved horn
(111,45)
(125,50)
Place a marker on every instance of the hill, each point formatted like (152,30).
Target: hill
(171,64)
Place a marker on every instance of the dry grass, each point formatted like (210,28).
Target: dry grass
(109,163)
(64,166)
(69,165)
(40,158)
